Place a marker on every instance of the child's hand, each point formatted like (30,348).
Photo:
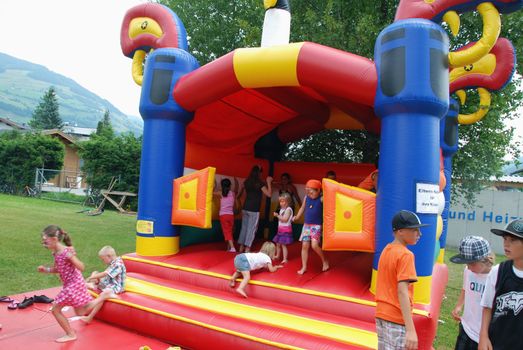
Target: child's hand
(275,214)
(269,179)
(456,313)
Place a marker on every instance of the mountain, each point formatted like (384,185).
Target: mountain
(22,85)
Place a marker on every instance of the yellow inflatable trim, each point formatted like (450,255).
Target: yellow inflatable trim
(323,329)
(421,291)
(267,66)
(484,105)
(269,285)
(491,31)
(157,246)
(202,324)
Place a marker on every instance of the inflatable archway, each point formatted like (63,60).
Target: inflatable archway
(242,108)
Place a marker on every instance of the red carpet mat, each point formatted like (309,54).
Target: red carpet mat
(35,328)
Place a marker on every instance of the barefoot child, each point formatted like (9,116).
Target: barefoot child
(247,262)
(74,292)
(284,235)
(226,214)
(312,205)
(110,282)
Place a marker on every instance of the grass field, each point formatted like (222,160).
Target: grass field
(22,219)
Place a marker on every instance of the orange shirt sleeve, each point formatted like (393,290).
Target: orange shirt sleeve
(406,269)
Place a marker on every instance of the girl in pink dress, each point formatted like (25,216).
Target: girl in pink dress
(67,265)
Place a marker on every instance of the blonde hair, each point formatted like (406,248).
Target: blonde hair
(286,196)
(55,231)
(490,259)
(107,251)
(268,248)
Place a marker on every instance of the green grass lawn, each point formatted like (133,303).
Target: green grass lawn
(22,220)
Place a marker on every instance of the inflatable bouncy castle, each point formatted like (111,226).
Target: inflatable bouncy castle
(219,120)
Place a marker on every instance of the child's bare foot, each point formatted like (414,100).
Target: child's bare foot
(113,296)
(232,283)
(241,292)
(284,261)
(325,266)
(66,338)
(86,319)
(302,271)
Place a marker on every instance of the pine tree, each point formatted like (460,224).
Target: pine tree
(46,114)
(104,127)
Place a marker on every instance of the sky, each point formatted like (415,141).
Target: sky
(78,39)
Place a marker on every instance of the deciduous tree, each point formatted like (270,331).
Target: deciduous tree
(218,27)
(21,154)
(105,158)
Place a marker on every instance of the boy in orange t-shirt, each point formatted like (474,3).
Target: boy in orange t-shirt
(396,273)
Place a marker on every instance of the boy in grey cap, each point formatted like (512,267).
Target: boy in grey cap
(474,251)
(502,301)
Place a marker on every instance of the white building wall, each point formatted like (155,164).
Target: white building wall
(493,209)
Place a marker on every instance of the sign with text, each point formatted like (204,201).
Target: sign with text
(426,198)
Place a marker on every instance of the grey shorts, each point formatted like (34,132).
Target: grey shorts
(241,263)
(249,227)
(391,336)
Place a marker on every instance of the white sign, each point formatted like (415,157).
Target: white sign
(427,198)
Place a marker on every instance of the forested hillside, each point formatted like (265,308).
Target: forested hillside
(22,84)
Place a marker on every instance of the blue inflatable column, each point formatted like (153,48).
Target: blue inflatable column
(163,150)
(449,146)
(412,96)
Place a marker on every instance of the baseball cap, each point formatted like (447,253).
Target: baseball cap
(514,228)
(313,184)
(406,219)
(471,249)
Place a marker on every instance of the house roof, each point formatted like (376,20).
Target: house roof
(59,133)
(75,130)
(509,179)
(13,124)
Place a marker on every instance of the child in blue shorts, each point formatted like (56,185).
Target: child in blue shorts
(246,262)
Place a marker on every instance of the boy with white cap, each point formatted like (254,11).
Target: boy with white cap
(502,301)
(475,252)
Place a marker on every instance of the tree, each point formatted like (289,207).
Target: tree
(217,27)
(104,127)
(46,114)
(353,26)
(21,154)
(105,158)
